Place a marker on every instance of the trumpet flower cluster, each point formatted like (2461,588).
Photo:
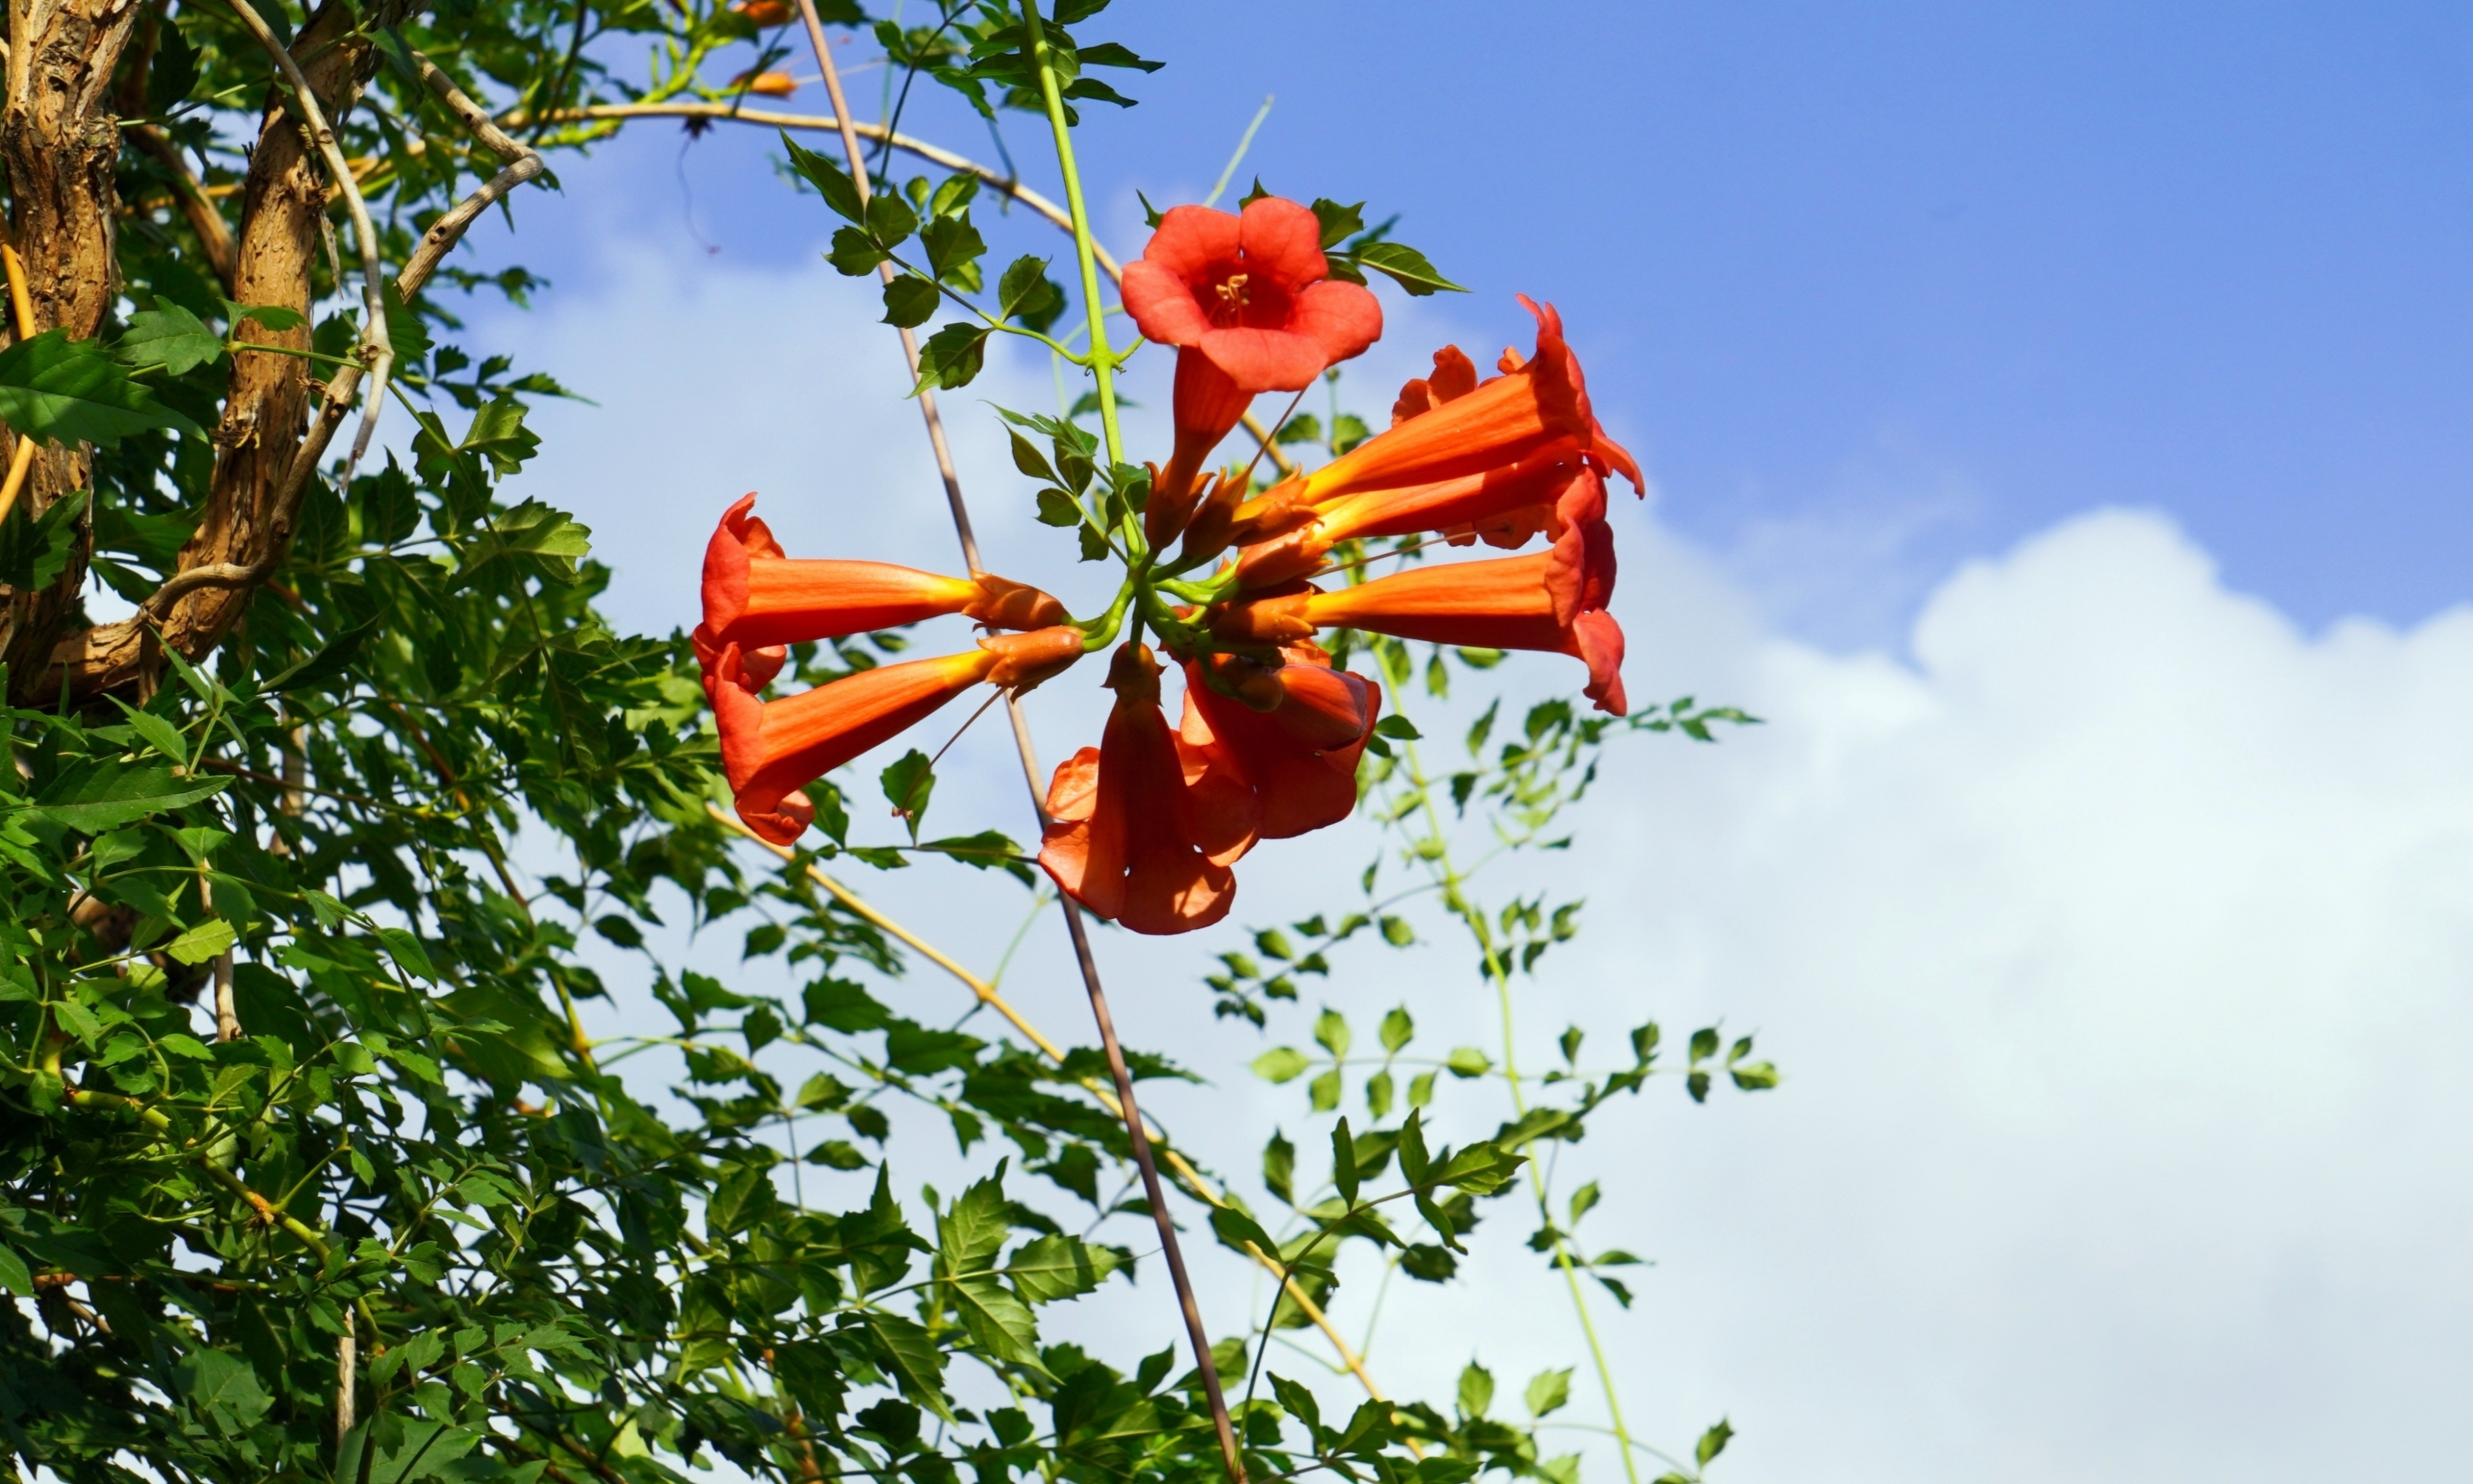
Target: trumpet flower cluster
(1234,585)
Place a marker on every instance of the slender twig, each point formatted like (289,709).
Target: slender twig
(1473,919)
(1244,142)
(960,511)
(524,162)
(378,346)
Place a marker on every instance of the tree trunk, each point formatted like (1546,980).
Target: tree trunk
(252,503)
(60,142)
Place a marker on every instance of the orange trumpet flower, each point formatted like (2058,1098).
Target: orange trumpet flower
(1553,600)
(1249,302)
(1123,831)
(1290,736)
(1457,448)
(771,750)
(756,597)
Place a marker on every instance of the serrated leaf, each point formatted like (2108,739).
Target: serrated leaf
(167,336)
(1475,1390)
(969,1231)
(998,1320)
(910,301)
(830,181)
(953,356)
(1548,1390)
(917,1363)
(60,391)
(1050,1268)
(1714,1442)
(202,942)
(159,734)
(90,798)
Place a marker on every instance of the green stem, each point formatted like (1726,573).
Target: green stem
(1474,922)
(1103,358)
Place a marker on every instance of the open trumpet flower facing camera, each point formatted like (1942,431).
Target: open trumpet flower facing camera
(1226,584)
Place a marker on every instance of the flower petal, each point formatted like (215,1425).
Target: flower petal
(1343,317)
(1281,241)
(1261,360)
(1600,643)
(1163,304)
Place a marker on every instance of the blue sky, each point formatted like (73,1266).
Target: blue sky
(1873,287)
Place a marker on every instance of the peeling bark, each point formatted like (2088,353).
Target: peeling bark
(253,503)
(59,143)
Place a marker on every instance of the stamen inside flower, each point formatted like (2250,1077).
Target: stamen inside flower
(1233,294)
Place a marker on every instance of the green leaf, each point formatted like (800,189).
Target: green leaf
(1406,266)
(955,194)
(1026,293)
(1281,1064)
(1396,930)
(1297,1402)
(1280,1168)
(202,942)
(1324,1090)
(1332,1033)
(953,356)
(14,1276)
(1397,1029)
(912,1355)
(167,336)
(35,550)
(1056,507)
(1704,1045)
(970,1231)
(498,433)
(951,244)
(1338,223)
(1399,728)
(907,781)
(1050,1268)
(830,181)
(93,797)
(1235,1229)
(1343,1162)
(61,391)
(159,734)
(1754,1076)
(855,252)
(910,301)
(998,1320)
(1714,1442)
(171,73)
(273,318)
(1476,1390)
(1548,1390)
(1028,458)
(531,529)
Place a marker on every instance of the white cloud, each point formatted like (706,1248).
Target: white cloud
(2115,947)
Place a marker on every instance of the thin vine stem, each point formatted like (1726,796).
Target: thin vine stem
(1103,359)
(1474,922)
